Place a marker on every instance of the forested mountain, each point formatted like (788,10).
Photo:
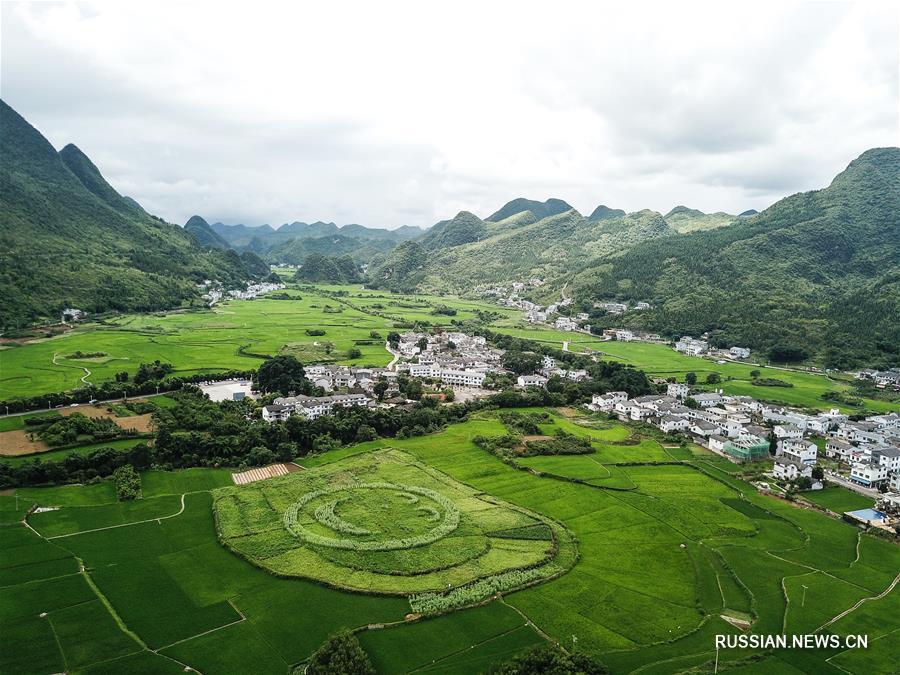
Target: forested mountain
(682,219)
(463,229)
(540,210)
(604,212)
(68,239)
(555,248)
(204,234)
(294,251)
(819,270)
(274,244)
(328,269)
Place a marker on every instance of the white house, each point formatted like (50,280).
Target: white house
(739,352)
(786,430)
(677,390)
(705,429)
(708,399)
(670,423)
(525,381)
(691,346)
(786,469)
(608,400)
(869,474)
(276,413)
(836,448)
(717,443)
(464,378)
(798,450)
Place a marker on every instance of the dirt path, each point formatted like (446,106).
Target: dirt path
(113,527)
(84,378)
(859,604)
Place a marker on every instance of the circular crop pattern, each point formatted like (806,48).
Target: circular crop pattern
(347,517)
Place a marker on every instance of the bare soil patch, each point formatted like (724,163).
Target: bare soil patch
(143,423)
(16,442)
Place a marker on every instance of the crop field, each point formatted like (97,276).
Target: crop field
(100,587)
(383,523)
(225,337)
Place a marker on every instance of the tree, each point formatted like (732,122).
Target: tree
(818,473)
(394,338)
(788,354)
(713,378)
(755,374)
(354,353)
(282,374)
(128,483)
(690,378)
(521,363)
(374,334)
(549,661)
(691,403)
(380,388)
(340,654)
(422,344)
(449,395)
(804,483)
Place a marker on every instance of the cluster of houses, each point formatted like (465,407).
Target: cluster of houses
(71,314)
(883,379)
(740,428)
(621,307)
(312,407)
(453,358)
(698,347)
(213,291)
(548,369)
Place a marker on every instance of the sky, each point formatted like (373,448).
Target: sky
(404,113)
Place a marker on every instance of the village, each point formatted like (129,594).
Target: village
(806,449)
(862,454)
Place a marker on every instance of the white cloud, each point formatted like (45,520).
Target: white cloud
(400,113)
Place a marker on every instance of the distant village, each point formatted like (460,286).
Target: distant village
(213,291)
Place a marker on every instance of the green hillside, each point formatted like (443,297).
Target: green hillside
(465,228)
(204,234)
(541,210)
(683,220)
(604,212)
(555,248)
(68,239)
(819,270)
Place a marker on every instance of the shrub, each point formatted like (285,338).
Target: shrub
(128,483)
(340,654)
(549,661)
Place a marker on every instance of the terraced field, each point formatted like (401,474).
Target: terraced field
(99,587)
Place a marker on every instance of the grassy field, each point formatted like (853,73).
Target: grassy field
(658,565)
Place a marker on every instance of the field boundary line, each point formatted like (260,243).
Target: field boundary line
(136,522)
(109,608)
(473,646)
(860,603)
(531,623)
(242,619)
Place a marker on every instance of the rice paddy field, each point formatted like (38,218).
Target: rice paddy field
(225,337)
(230,334)
(672,550)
